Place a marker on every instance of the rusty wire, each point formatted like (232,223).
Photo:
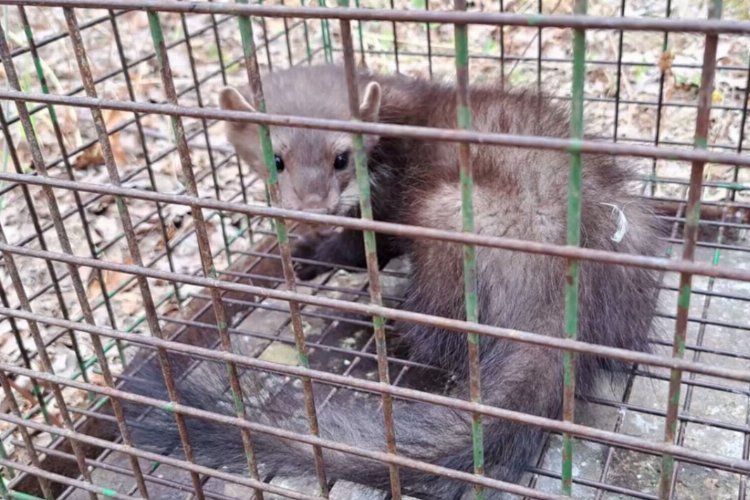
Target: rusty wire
(218,284)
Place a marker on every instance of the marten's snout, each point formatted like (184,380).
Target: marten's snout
(314,203)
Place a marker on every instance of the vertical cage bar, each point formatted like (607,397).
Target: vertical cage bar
(11,150)
(618,80)
(223,70)
(429,39)
(146,154)
(539,10)
(74,274)
(501,29)
(692,219)
(373,267)
(360,34)
(27,441)
(125,220)
(128,229)
(204,247)
(306,34)
(289,58)
(206,135)
(79,204)
(574,239)
(660,99)
(743,122)
(682,432)
(266,45)
(8,471)
(4,492)
(273,193)
(12,269)
(219,50)
(325,32)
(463,117)
(394,26)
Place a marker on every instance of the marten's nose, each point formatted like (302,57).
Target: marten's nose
(314,203)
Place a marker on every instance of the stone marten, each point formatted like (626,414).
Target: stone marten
(518,193)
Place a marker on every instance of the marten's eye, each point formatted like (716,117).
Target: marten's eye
(279,163)
(341,161)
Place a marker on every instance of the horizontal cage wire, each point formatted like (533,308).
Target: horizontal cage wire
(137,246)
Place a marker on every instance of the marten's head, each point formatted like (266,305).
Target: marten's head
(316,167)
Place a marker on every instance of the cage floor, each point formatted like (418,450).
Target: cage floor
(713,418)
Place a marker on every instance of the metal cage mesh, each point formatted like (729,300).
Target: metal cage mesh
(126,221)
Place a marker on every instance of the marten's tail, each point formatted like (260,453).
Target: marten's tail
(429,433)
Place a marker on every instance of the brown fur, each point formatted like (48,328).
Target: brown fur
(519,193)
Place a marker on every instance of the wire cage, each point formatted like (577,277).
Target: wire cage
(128,229)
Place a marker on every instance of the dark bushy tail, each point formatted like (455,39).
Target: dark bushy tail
(425,432)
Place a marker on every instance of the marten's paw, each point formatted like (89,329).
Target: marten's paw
(307,248)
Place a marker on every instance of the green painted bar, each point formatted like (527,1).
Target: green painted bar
(4,491)
(7,471)
(573,239)
(53,118)
(373,266)
(306,31)
(361,36)
(17,495)
(273,198)
(692,220)
(13,494)
(325,28)
(272,183)
(208,268)
(463,118)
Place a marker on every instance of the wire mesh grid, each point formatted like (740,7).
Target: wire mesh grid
(128,222)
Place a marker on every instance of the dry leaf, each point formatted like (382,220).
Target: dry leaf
(665,61)
(97,379)
(91,157)
(112,280)
(111,116)
(23,388)
(130,302)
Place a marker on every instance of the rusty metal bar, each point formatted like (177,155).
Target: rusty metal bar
(64,241)
(565,60)
(655,263)
(27,440)
(92,490)
(194,469)
(79,206)
(274,197)
(396,314)
(146,155)
(424,133)
(707,26)
(693,211)
(609,437)
(134,252)
(39,344)
(466,181)
(204,247)
(150,478)
(378,456)
(373,267)
(573,238)
(25,356)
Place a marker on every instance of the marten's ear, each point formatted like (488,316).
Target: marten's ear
(370,106)
(231,99)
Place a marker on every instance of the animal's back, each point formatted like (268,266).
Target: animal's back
(522,194)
